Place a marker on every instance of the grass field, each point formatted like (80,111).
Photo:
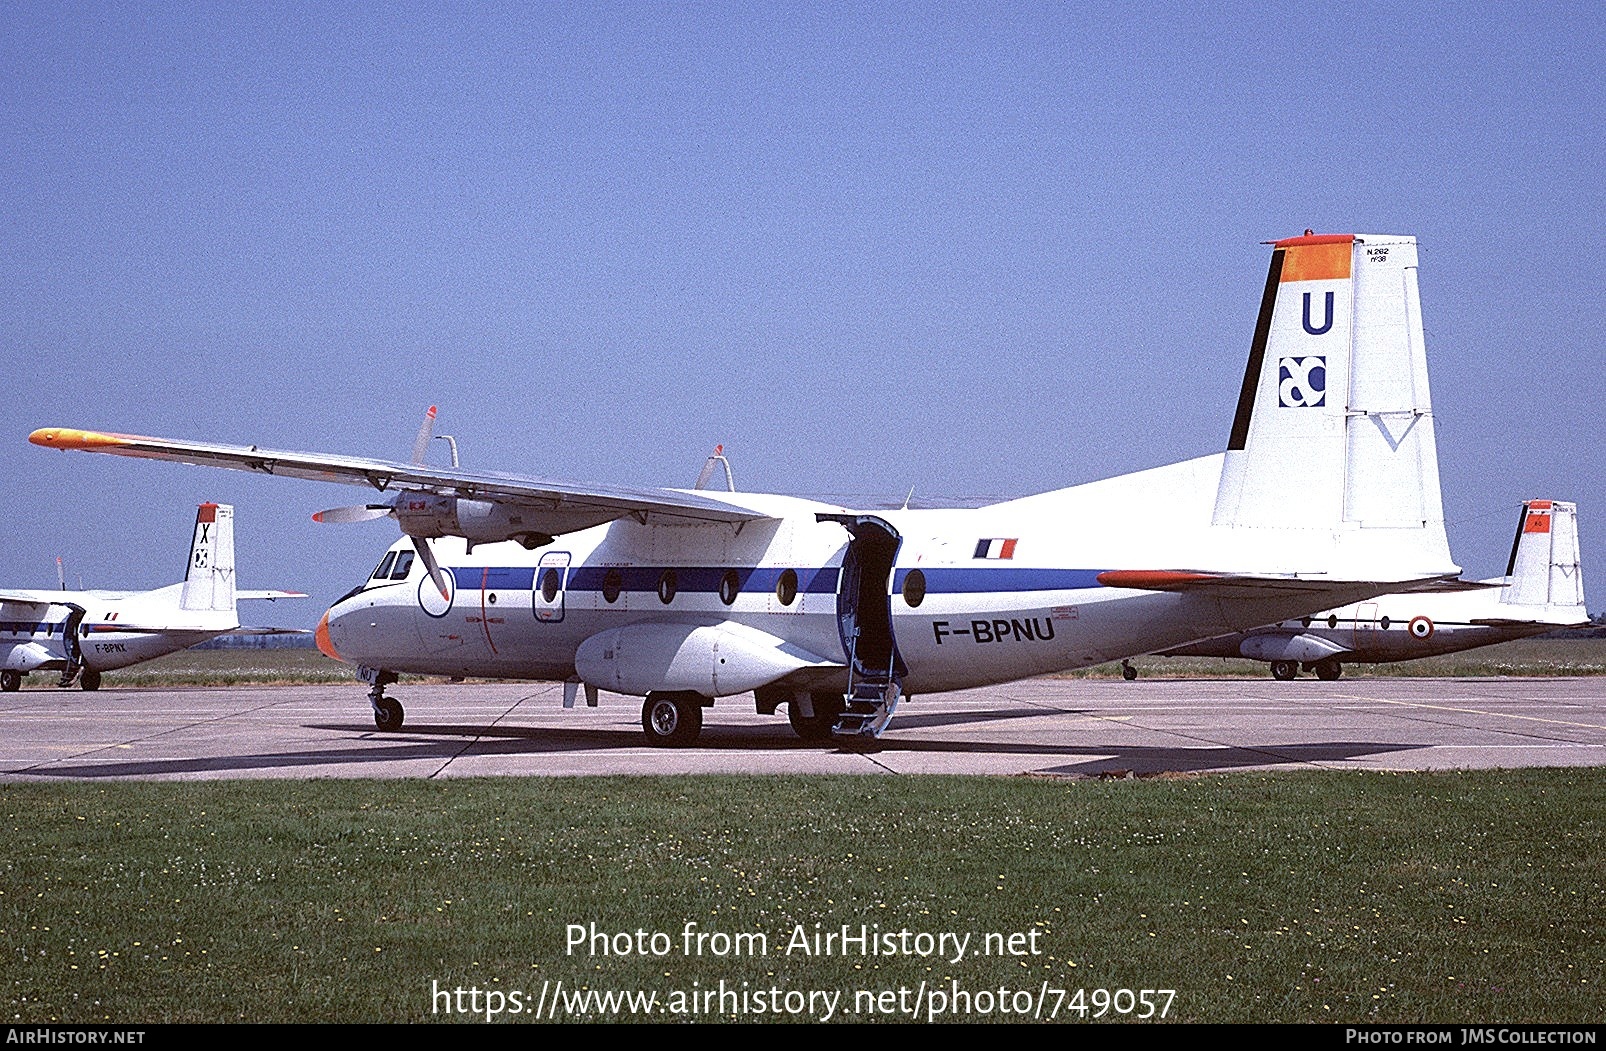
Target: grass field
(1298,897)
(1471,897)
(238,667)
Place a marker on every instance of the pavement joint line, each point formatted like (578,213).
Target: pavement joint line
(477,738)
(130,741)
(1477,711)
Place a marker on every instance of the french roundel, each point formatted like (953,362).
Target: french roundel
(1421,628)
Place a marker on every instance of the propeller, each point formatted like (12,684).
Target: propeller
(357,513)
(369,512)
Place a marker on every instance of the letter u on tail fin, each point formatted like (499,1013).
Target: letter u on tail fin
(1333,436)
(209,578)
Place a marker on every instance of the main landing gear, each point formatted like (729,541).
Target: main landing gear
(817,727)
(1288,671)
(388,714)
(10,681)
(1128,672)
(672,719)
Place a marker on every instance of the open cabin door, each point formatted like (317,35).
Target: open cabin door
(864,621)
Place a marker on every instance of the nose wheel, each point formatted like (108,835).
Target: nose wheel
(388,712)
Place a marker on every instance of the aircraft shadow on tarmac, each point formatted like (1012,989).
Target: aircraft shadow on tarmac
(440,744)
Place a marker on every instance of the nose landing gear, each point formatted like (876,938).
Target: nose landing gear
(388,714)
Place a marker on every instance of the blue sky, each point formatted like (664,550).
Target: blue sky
(980,250)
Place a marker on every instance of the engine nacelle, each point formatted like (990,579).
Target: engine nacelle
(430,515)
(715,660)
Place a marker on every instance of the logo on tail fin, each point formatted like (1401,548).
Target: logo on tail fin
(1301,382)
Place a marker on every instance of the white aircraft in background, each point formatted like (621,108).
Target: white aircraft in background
(85,633)
(1328,493)
(1543,590)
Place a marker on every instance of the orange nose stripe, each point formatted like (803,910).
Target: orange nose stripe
(321,637)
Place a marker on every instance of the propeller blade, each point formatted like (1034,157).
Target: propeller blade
(422,547)
(425,433)
(357,513)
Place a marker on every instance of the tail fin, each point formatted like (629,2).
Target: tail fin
(209,580)
(1545,567)
(1333,438)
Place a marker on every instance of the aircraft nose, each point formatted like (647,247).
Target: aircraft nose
(321,637)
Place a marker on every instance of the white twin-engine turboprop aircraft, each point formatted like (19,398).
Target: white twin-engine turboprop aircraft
(84,633)
(1328,493)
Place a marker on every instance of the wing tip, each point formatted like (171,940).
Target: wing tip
(74,438)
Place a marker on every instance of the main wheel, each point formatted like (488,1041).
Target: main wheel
(10,681)
(1285,671)
(89,679)
(1128,672)
(1328,670)
(827,708)
(388,714)
(672,720)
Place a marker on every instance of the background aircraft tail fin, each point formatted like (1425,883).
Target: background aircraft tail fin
(209,579)
(1333,438)
(1546,568)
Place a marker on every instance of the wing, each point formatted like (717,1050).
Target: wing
(528,508)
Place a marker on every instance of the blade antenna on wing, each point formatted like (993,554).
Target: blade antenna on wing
(426,432)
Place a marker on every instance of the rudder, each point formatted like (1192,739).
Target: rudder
(1546,567)
(1334,428)
(209,578)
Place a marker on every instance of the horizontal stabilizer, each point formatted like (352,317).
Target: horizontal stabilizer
(269,631)
(270,595)
(1232,585)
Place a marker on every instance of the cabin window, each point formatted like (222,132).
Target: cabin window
(613,582)
(730,585)
(1332,620)
(914,588)
(1384,624)
(383,571)
(786,587)
(549,585)
(666,587)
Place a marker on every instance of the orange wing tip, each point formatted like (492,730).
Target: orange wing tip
(1149,579)
(72,438)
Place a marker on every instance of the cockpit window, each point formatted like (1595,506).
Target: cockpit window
(383,572)
(404,565)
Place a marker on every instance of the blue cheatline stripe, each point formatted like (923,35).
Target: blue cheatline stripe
(753,579)
(964,581)
(30,627)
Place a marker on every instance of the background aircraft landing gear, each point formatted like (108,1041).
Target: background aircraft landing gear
(10,681)
(89,679)
(1285,671)
(1328,670)
(1128,672)
(672,720)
